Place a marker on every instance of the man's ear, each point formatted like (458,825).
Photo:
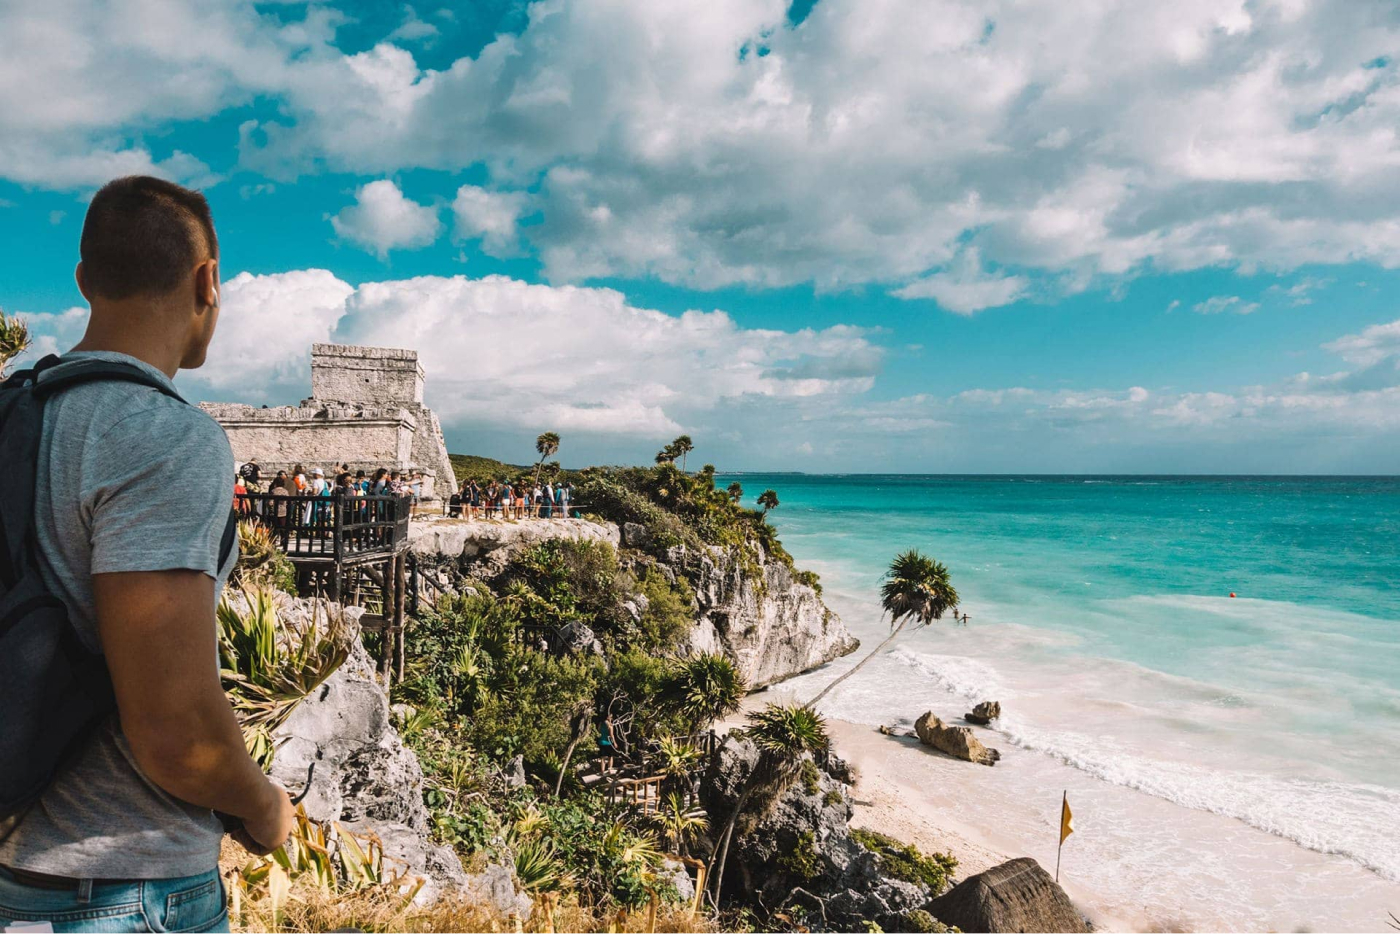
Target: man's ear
(206,283)
(78,278)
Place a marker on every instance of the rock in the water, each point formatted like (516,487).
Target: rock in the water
(956,741)
(984,713)
(1015,896)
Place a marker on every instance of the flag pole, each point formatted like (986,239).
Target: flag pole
(1064,800)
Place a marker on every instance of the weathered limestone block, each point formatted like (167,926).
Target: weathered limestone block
(984,713)
(956,741)
(486,547)
(770,624)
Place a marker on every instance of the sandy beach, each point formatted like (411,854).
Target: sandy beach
(901,791)
(894,794)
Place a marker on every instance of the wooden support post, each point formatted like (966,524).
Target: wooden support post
(386,654)
(400,611)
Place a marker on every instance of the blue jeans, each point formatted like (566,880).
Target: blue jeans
(194,903)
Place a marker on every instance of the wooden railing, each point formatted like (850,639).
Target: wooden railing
(331,527)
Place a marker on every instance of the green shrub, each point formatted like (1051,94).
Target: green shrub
(811,778)
(902,861)
(670,612)
(802,860)
(924,923)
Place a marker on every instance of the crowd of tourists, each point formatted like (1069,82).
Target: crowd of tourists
(524,499)
(521,500)
(302,482)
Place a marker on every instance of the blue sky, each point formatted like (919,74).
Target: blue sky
(919,236)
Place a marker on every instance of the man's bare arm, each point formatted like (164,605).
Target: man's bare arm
(158,634)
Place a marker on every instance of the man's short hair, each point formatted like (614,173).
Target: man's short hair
(143,235)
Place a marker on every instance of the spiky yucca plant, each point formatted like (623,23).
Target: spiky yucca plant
(268,666)
(14,338)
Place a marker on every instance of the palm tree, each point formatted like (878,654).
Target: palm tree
(706,687)
(547,445)
(682,446)
(768,499)
(784,734)
(916,587)
(736,491)
(679,821)
(580,724)
(667,455)
(14,338)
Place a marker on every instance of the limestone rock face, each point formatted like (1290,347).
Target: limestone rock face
(956,741)
(805,844)
(369,782)
(1016,896)
(772,625)
(984,713)
(484,548)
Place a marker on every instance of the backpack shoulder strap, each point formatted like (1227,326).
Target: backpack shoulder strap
(79,372)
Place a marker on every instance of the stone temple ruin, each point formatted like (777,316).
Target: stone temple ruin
(366,410)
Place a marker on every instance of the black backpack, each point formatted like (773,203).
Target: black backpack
(54,692)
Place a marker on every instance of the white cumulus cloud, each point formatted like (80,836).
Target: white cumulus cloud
(382,219)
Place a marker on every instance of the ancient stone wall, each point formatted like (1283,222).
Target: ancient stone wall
(365,410)
(366,375)
(321,437)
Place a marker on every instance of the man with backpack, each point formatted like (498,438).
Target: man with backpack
(117,743)
(252,475)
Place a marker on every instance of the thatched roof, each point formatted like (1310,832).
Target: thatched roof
(1015,896)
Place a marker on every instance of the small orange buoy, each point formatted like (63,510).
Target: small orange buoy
(1232,593)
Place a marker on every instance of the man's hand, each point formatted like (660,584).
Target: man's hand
(261,836)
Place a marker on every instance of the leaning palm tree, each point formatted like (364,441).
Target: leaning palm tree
(14,338)
(768,499)
(784,734)
(668,454)
(546,445)
(683,446)
(736,491)
(916,587)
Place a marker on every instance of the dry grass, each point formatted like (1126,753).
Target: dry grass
(308,907)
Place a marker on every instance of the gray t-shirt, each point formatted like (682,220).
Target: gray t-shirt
(129,479)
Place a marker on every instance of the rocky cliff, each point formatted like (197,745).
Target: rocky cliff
(367,781)
(772,625)
(803,859)
(758,613)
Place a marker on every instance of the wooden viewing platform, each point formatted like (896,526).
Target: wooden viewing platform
(352,549)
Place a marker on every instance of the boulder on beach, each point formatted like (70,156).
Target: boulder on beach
(1016,896)
(956,741)
(984,713)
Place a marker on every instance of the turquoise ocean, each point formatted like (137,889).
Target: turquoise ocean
(1243,749)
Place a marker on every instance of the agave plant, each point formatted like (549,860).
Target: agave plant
(268,666)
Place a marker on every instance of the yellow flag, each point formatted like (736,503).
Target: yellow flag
(1066,820)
